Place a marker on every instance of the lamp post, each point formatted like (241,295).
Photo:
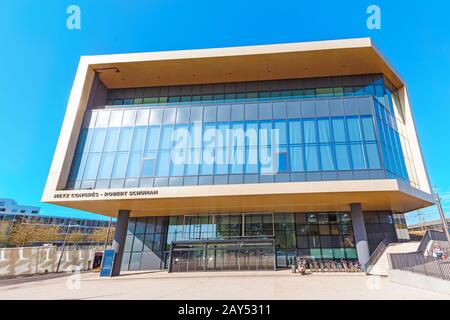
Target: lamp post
(107,234)
(421,220)
(64,244)
(442,215)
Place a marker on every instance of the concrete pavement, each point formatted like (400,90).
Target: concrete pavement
(211,286)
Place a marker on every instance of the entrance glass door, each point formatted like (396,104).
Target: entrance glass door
(225,255)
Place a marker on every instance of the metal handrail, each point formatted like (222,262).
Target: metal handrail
(430,235)
(376,254)
(418,262)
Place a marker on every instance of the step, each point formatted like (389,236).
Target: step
(381,267)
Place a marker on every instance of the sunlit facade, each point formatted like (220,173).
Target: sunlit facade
(254,160)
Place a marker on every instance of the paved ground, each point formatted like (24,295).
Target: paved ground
(209,286)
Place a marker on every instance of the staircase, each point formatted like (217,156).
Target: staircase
(381,266)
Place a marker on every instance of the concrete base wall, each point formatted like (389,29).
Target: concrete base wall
(418,280)
(32,260)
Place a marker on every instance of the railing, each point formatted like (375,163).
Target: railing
(376,254)
(430,235)
(423,263)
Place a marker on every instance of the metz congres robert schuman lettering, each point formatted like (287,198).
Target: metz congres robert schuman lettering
(107,194)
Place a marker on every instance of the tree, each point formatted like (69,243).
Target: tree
(75,237)
(49,234)
(23,234)
(4,232)
(100,234)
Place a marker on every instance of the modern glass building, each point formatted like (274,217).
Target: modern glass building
(242,158)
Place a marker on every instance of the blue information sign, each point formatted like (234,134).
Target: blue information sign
(107,264)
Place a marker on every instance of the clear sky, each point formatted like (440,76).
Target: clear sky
(39,57)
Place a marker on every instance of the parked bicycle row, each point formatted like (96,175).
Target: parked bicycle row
(303,265)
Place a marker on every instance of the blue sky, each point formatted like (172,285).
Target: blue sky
(40,55)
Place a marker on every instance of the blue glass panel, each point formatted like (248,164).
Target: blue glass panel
(266,159)
(379,91)
(196,114)
(368,128)
(181,137)
(209,136)
(152,141)
(106,166)
(207,165)
(156,116)
(312,163)
(120,165)
(309,130)
(163,165)
(369,90)
(134,164)
(98,138)
(178,162)
(93,161)
(221,161)
(138,138)
(380,131)
(78,165)
(223,129)
(354,130)
(237,135)
(373,156)
(339,130)
(237,157)
(193,161)
(296,159)
(265,133)
(166,137)
(148,167)
(169,115)
(84,140)
(295,132)
(251,160)
(283,162)
(210,114)
(358,158)
(359,91)
(251,134)
(183,115)
(125,139)
(111,140)
(281,130)
(324,130)
(326,158)
(342,157)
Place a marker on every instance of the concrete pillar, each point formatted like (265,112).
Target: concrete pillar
(120,236)
(359,230)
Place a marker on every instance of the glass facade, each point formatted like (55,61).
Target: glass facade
(320,236)
(338,133)
(231,255)
(379,226)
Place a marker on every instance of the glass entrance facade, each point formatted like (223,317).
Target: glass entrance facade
(237,241)
(223,255)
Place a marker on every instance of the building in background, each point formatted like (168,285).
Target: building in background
(9,206)
(241,158)
(419,229)
(14,214)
